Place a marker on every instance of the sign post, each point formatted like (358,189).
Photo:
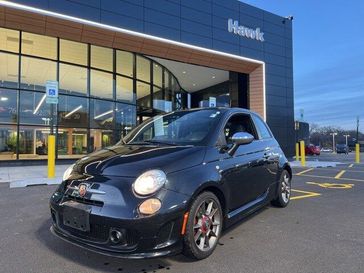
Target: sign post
(212,102)
(52,99)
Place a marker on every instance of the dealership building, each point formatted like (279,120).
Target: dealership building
(119,62)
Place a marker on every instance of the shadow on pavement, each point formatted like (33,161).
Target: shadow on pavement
(94,261)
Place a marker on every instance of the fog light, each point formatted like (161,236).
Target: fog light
(116,236)
(150,206)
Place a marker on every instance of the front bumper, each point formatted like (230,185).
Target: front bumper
(143,237)
(166,251)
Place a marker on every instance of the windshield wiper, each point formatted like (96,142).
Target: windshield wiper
(138,143)
(159,142)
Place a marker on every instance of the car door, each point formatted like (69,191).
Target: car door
(271,152)
(243,173)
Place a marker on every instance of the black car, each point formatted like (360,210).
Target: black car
(172,185)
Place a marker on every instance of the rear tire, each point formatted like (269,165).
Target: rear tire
(284,190)
(204,226)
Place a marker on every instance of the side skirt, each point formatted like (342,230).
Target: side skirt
(236,215)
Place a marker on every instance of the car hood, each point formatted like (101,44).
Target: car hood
(133,160)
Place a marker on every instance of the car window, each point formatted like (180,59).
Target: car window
(184,128)
(238,123)
(261,127)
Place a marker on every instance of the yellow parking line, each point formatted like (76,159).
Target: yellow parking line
(305,171)
(351,165)
(330,177)
(340,174)
(306,194)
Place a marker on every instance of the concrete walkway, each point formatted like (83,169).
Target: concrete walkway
(22,176)
(315,164)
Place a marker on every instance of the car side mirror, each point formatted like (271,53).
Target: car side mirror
(240,138)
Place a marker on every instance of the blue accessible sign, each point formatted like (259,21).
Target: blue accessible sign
(52,92)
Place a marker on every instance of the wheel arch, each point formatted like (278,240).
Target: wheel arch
(215,189)
(288,168)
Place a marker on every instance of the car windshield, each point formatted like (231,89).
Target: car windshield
(181,128)
(341,146)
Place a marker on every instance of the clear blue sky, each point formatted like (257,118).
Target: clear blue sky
(328,42)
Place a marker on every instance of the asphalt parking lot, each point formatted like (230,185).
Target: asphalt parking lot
(322,230)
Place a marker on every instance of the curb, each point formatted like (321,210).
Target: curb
(35,182)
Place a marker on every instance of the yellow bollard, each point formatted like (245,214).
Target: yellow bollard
(357,153)
(297,151)
(303,155)
(51,156)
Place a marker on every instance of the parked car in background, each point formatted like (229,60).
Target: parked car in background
(326,150)
(312,150)
(342,149)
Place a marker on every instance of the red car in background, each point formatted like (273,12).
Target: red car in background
(312,150)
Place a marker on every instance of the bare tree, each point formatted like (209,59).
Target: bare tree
(321,135)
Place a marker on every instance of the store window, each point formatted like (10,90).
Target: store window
(175,89)
(100,94)
(125,115)
(102,114)
(39,45)
(35,73)
(166,80)
(124,89)
(143,68)
(143,94)
(33,142)
(102,58)
(168,93)
(73,52)
(101,138)
(158,98)
(8,106)
(34,109)
(101,84)
(72,111)
(157,75)
(72,142)
(72,79)
(9,64)
(8,142)
(9,40)
(125,63)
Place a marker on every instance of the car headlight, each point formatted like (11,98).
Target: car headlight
(68,172)
(149,182)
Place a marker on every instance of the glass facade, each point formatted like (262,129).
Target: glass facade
(103,93)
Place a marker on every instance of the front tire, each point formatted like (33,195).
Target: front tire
(284,190)
(204,226)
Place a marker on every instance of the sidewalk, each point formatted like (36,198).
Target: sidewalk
(315,164)
(21,176)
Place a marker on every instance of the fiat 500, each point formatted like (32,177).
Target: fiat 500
(172,184)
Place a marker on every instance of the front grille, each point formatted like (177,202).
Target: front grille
(85,201)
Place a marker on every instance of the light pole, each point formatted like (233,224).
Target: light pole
(333,141)
(346,139)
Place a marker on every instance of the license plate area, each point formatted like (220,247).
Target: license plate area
(76,216)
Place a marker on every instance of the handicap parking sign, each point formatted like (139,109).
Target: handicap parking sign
(52,92)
